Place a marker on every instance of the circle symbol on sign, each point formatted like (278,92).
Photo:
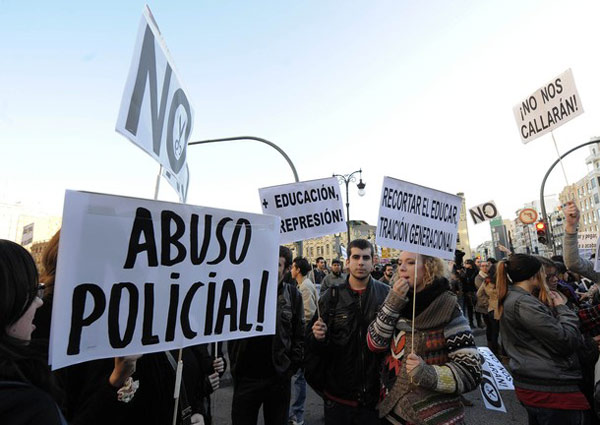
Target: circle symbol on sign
(490,392)
(181,122)
(178,130)
(489,210)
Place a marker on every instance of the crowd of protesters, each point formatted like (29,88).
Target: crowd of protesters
(387,346)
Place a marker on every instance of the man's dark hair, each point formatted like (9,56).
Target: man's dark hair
(302,264)
(360,244)
(319,259)
(286,254)
(557,258)
(336,261)
(386,266)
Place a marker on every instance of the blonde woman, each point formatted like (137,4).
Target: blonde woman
(423,387)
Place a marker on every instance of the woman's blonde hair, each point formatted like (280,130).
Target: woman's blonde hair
(435,268)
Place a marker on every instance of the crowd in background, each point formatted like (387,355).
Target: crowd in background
(389,343)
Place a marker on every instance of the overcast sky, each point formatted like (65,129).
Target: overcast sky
(419,91)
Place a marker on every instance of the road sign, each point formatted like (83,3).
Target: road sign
(528,215)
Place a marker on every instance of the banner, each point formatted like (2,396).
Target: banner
(139,276)
(27,236)
(587,240)
(483,212)
(307,209)
(548,108)
(503,379)
(156,113)
(418,219)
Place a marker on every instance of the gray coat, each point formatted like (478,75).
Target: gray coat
(541,345)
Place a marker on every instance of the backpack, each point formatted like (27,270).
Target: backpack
(315,366)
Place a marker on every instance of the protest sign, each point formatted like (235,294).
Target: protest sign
(307,209)
(27,236)
(489,390)
(587,240)
(157,118)
(483,212)
(548,108)
(140,276)
(418,219)
(501,376)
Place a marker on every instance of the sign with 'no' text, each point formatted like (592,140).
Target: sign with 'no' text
(483,212)
(418,219)
(548,108)
(307,209)
(156,113)
(139,276)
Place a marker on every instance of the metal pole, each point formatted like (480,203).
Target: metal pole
(347,212)
(265,141)
(542,202)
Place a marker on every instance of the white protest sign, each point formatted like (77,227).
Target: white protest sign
(548,108)
(27,236)
(501,376)
(418,219)
(307,209)
(489,390)
(156,113)
(140,276)
(483,212)
(587,240)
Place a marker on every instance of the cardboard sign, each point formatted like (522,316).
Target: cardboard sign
(501,376)
(597,257)
(156,113)
(548,108)
(27,236)
(140,276)
(307,209)
(489,390)
(483,212)
(418,219)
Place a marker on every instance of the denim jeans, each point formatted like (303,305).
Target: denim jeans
(298,397)
(543,416)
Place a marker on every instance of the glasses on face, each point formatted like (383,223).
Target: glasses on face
(39,291)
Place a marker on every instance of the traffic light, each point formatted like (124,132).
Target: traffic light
(541,229)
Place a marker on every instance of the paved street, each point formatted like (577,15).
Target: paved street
(476,415)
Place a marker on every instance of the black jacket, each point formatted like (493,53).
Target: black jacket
(353,370)
(288,341)
(22,404)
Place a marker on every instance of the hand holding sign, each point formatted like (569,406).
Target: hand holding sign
(572,217)
(219,365)
(124,368)
(319,329)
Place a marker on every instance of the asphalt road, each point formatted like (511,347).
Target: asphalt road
(476,415)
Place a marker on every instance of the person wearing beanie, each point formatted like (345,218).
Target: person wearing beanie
(540,335)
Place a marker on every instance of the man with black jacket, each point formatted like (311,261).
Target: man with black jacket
(262,366)
(338,337)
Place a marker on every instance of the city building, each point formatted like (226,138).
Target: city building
(462,240)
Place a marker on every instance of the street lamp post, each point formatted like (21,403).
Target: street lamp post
(347,179)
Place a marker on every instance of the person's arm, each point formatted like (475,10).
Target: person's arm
(481,290)
(381,329)
(558,333)
(570,250)
(298,332)
(462,372)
